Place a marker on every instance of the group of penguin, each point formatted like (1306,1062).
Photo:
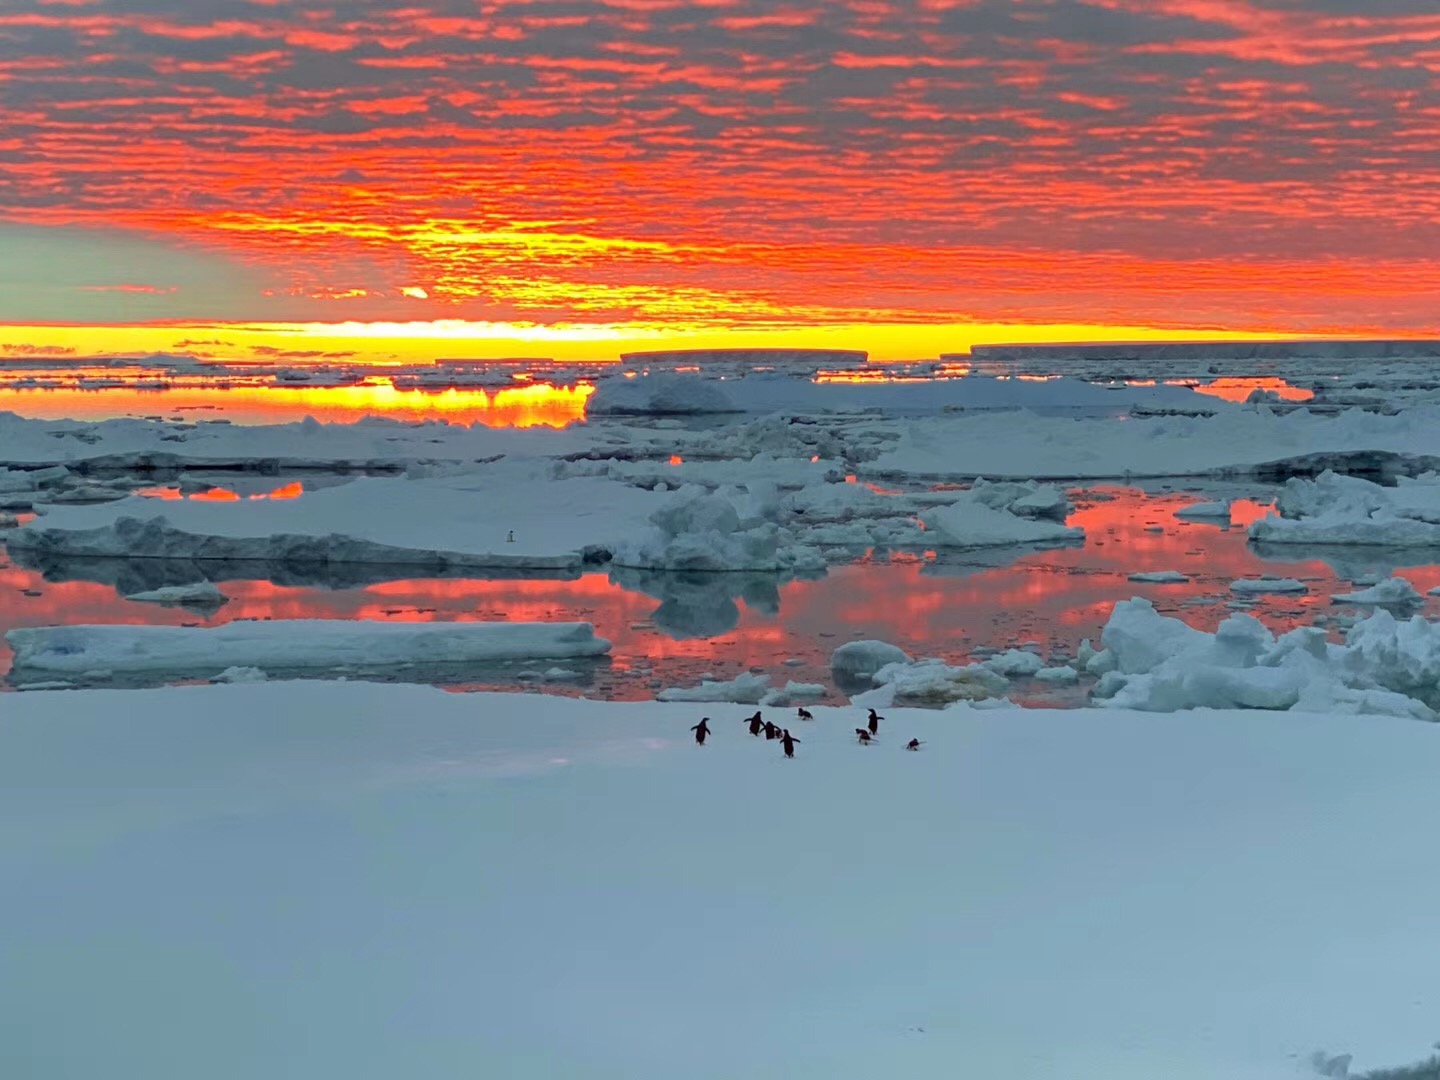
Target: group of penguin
(758,726)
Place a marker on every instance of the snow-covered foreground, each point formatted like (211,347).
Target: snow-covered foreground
(330,880)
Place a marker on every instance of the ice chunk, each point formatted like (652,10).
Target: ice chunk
(865,658)
(1395,590)
(931,682)
(791,693)
(1057,675)
(1160,577)
(659,394)
(1015,662)
(745,689)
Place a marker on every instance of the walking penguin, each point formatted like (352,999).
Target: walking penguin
(789,742)
(863,736)
(701,730)
(804,713)
(771,731)
(913,744)
(754,723)
(875,719)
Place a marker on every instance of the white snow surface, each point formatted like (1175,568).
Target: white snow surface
(291,645)
(381,881)
(662,393)
(512,514)
(373,441)
(1235,441)
(1384,668)
(1337,509)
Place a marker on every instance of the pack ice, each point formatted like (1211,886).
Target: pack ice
(290,645)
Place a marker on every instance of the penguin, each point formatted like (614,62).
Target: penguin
(754,724)
(701,730)
(913,744)
(804,713)
(771,731)
(863,736)
(789,742)
(875,719)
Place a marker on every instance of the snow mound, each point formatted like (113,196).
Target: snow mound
(1396,591)
(1262,585)
(1162,665)
(863,659)
(745,689)
(1335,509)
(1160,577)
(200,594)
(659,394)
(292,645)
(700,530)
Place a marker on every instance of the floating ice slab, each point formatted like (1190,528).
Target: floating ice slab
(1260,586)
(201,594)
(1160,577)
(290,645)
(508,515)
(968,523)
(1206,510)
(1396,591)
(745,689)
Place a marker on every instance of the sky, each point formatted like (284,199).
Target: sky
(557,176)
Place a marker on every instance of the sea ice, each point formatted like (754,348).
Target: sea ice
(340,852)
(200,594)
(1205,510)
(1259,586)
(291,645)
(1395,591)
(1160,577)
(862,659)
(745,689)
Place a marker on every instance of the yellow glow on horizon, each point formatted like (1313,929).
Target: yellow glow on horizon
(423,342)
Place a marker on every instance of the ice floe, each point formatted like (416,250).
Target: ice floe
(1393,591)
(289,645)
(200,594)
(1160,577)
(1205,510)
(747,688)
(1262,585)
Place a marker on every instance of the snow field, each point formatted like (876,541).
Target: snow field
(385,880)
